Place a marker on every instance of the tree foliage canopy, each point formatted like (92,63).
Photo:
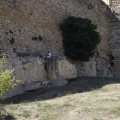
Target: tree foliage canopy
(80,38)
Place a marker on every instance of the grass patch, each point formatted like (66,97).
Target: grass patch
(26,113)
(116,111)
(95,104)
(11,113)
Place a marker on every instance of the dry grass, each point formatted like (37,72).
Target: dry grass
(99,104)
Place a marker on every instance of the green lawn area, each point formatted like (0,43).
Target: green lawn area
(97,104)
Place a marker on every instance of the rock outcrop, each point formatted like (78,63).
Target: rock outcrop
(30,70)
(33,27)
(35,72)
(90,67)
(59,70)
(66,69)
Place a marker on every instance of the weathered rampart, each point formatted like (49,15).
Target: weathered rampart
(32,27)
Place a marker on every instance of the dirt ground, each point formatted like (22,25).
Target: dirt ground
(74,86)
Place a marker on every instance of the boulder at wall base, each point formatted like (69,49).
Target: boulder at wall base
(59,82)
(34,71)
(66,70)
(60,68)
(30,70)
(37,85)
(27,69)
(90,67)
(52,68)
(103,67)
(20,89)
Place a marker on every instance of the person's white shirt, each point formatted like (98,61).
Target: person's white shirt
(49,55)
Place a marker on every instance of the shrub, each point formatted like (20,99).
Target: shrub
(6,80)
(80,38)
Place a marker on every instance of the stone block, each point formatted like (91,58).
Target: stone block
(66,69)
(18,90)
(35,86)
(59,82)
(90,67)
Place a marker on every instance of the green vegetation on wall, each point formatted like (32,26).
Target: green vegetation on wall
(80,38)
(7,81)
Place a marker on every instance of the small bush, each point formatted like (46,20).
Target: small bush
(80,38)
(6,80)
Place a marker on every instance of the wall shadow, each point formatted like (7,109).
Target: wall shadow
(9,118)
(79,85)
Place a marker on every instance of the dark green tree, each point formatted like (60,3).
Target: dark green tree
(80,38)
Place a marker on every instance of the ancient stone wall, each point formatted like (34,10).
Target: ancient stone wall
(115,38)
(32,27)
(37,73)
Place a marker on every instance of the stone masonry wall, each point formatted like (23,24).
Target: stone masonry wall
(21,21)
(36,73)
(115,38)
(32,26)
